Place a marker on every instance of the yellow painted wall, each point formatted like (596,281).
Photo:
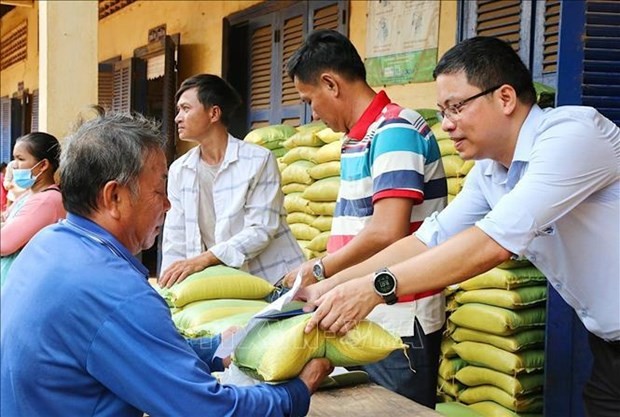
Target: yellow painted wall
(415,95)
(198,22)
(27,70)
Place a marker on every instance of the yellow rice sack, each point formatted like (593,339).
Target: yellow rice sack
(216,327)
(323,223)
(446,147)
(452,165)
(507,362)
(523,403)
(466,167)
(200,312)
(297,217)
(322,208)
(269,134)
(303,231)
(514,263)
(319,243)
(323,190)
(449,367)
(493,409)
(473,376)
(306,136)
(450,388)
(329,152)
(299,153)
(447,348)
(297,172)
(294,187)
(525,339)
(217,282)
(518,298)
(325,170)
(439,133)
(278,350)
(281,165)
(497,320)
(455,185)
(454,409)
(505,278)
(328,136)
(295,202)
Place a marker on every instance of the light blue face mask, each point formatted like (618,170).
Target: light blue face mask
(23,177)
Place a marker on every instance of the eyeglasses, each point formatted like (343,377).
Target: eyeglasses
(453,112)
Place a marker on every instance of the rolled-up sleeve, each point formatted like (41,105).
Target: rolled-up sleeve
(555,182)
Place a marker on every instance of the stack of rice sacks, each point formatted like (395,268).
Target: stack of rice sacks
(210,301)
(456,169)
(310,181)
(271,137)
(492,355)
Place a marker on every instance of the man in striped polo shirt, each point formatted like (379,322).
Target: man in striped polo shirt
(391,179)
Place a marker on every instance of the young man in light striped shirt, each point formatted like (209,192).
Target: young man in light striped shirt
(391,179)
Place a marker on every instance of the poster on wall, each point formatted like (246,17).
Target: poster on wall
(401,41)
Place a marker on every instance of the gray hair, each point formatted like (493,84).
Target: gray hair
(110,147)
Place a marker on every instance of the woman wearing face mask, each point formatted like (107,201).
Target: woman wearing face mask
(37,156)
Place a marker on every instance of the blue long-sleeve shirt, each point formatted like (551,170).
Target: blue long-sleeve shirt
(84,334)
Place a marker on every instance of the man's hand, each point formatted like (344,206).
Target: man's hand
(340,309)
(180,270)
(315,372)
(306,275)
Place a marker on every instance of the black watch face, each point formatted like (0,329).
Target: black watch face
(384,283)
(316,271)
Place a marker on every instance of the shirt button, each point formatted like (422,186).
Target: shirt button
(583,312)
(532,258)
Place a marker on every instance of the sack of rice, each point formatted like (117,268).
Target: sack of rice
(277,350)
(505,278)
(325,170)
(323,190)
(526,339)
(524,403)
(294,187)
(514,263)
(508,362)
(306,136)
(217,282)
(295,202)
(216,327)
(446,147)
(319,243)
(447,348)
(492,409)
(439,133)
(298,172)
(328,136)
(450,388)
(298,217)
(518,298)
(200,312)
(497,320)
(300,153)
(303,231)
(270,134)
(323,223)
(326,208)
(449,367)
(473,376)
(455,185)
(452,165)
(329,152)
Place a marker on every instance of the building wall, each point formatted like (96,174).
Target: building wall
(27,70)
(199,24)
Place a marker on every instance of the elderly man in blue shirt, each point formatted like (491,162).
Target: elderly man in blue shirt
(85,334)
(546,186)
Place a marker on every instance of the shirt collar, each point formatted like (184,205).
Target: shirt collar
(376,106)
(231,154)
(523,147)
(100,235)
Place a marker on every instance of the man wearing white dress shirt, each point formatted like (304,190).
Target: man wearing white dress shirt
(546,186)
(227,205)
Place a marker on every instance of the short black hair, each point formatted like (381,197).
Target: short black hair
(488,62)
(42,146)
(213,91)
(322,50)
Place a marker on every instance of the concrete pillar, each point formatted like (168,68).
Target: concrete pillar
(68,69)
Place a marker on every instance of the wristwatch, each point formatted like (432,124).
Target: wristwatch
(318,270)
(385,285)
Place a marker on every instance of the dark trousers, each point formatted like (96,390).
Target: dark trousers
(395,372)
(602,392)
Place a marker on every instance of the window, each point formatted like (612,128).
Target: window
(531,28)
(272,37)
(14,46)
